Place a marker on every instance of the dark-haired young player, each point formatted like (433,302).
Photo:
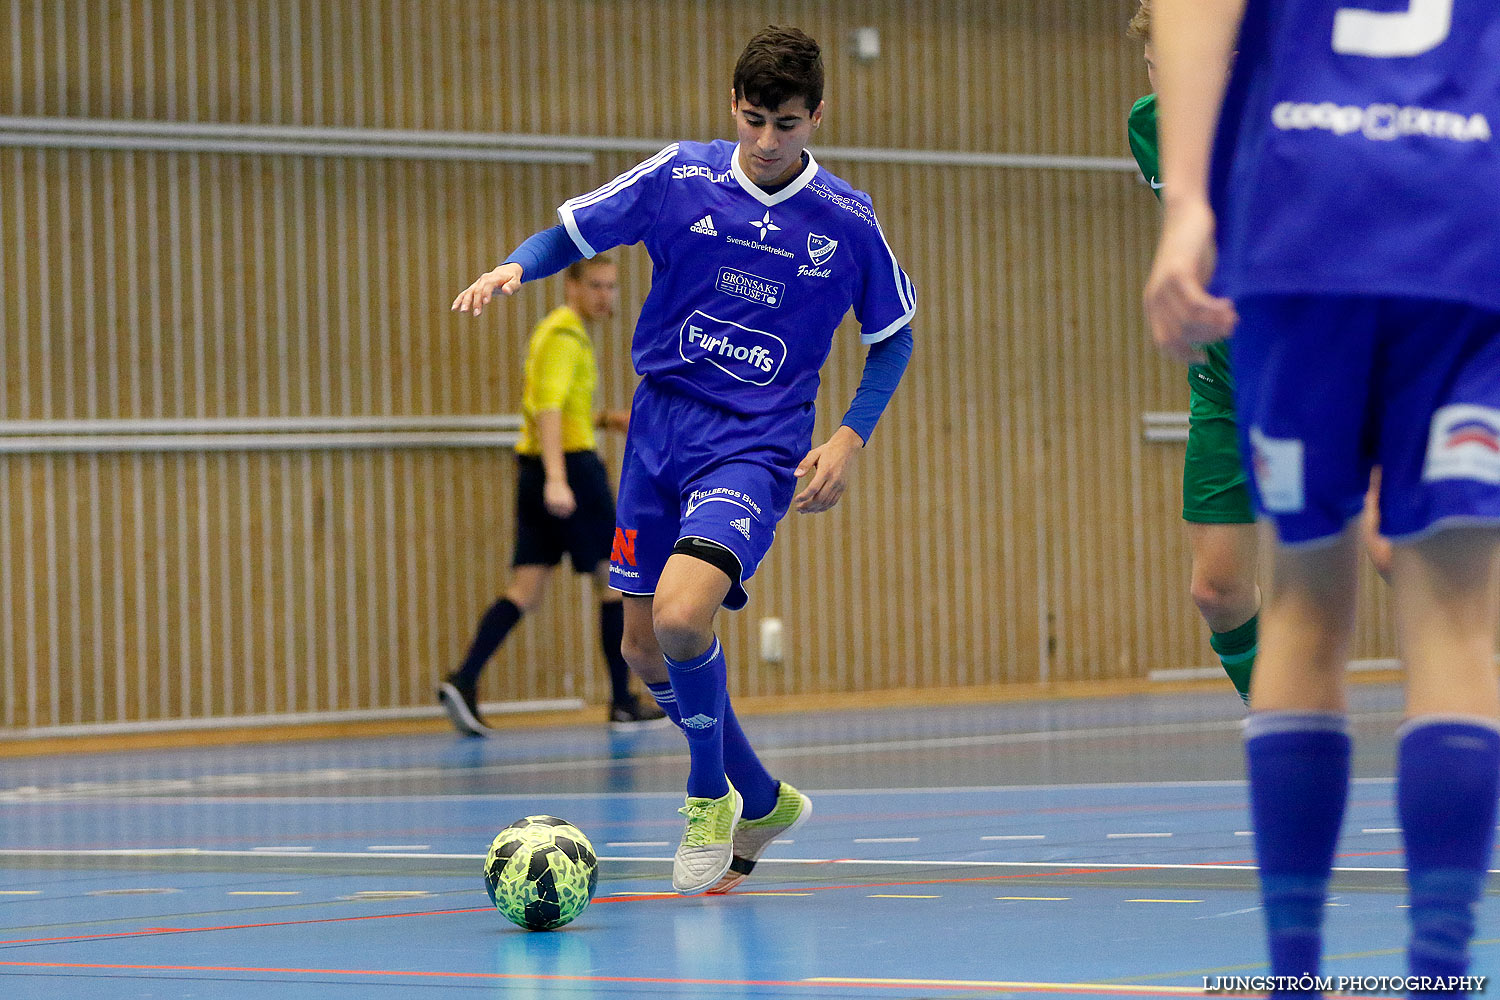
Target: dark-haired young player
(1341,193)
(758,253)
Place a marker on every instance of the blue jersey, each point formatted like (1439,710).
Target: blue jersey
(1356,153)
(747,287)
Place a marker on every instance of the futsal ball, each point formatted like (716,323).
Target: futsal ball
(541,872)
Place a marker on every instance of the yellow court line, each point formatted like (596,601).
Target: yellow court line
(1039,899)
(1163,900)
(20,892)
(899,895)
(1122,990)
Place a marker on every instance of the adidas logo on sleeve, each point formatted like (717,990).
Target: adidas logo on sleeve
(705,226)
(742,526)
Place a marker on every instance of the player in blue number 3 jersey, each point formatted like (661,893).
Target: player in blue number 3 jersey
(1347,206)
(757,254)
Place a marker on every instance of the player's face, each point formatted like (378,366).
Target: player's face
(1151,65)
(772,139)
(595,294)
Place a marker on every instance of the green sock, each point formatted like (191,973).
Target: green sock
(1236,649)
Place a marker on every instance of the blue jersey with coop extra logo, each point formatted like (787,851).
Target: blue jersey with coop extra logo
(1357,152)
(747,287)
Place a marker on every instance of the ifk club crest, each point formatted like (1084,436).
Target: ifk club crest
(820,248)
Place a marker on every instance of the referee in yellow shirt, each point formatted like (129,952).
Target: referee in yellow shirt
(563,499)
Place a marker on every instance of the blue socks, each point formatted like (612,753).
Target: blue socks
(1299,782)
(737,758)
(701,688)
(1447,770)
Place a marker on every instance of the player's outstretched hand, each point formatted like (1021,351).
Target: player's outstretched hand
(506,278)
(1182,314)
(829,464)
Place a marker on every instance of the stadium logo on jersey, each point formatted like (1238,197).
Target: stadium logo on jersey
(820,248)
(746,355)
(1380,122)
(752,287)
(705,226)
(1278,472)
(694,170)
(1464,444)
(742,525)
(624,550)
(765,225)
(722,494)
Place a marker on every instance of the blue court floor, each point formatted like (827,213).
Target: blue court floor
(1069,848)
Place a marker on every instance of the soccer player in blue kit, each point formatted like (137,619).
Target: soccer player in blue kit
(757,254)
(1343,193)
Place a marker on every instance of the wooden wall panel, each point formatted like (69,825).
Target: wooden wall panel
(1007,524)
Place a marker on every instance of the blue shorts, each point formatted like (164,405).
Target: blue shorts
(693,470)
(1330,386)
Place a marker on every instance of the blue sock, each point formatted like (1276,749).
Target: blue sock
(1447,771)
(1299,781)
(749,775)
(667,700)
(743,768)
(700,685)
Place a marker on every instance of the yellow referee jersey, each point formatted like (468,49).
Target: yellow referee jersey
(560,375)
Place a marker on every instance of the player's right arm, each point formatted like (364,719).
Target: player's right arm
(617,214)
(1193,41)
(505,279)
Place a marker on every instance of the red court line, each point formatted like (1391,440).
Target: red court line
(1101,989)
(603,899)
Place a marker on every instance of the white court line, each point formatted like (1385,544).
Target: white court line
(886,840)
(1133,836)
(637,843)
(1382,829)
(882,862)
(1017,836)
(280,850)
(345,775)
(1244,833)
(74,791)
(399,847)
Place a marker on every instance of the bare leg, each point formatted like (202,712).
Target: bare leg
(1224,585)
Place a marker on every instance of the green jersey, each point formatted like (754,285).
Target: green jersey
(1213,379)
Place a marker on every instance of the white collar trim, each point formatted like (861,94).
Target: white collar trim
(758,193)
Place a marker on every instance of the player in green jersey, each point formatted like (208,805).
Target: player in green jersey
(1215,498)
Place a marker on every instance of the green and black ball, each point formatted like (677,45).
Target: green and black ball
(541,872)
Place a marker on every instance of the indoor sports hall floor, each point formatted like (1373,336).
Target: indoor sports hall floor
(1084,847)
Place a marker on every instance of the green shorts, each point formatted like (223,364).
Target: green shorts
(1214,490)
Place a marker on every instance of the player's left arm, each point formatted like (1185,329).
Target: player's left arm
(884,366)
(1194,40)
(885,300)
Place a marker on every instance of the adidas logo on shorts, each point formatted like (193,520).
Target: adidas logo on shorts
(705,226)
(742,526)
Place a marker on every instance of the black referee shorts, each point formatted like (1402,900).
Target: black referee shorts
(586,537)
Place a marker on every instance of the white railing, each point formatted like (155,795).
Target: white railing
(422,144)
(60,437)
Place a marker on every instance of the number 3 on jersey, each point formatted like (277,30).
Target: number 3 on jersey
(1418,29)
